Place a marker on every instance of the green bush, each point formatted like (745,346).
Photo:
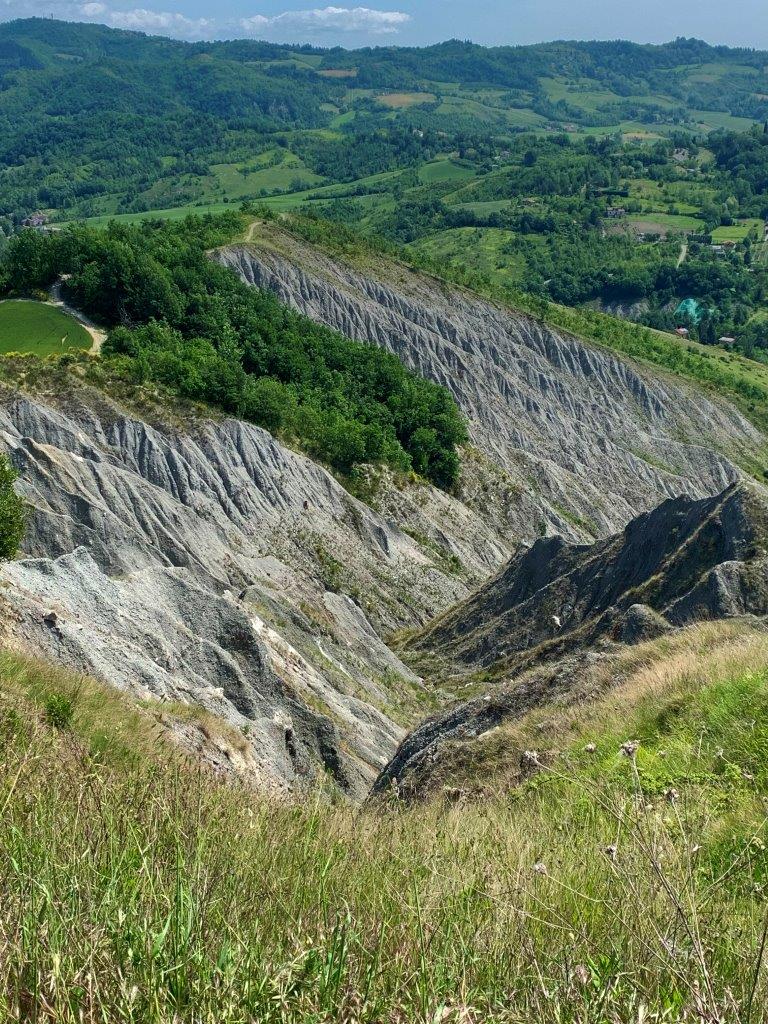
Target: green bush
(11,512)
(59,710)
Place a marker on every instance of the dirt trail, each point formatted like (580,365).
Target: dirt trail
(98,336)
(683,254)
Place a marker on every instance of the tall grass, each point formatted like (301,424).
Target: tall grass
(135,888)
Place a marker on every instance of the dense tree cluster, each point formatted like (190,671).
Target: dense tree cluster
(183,320)
(11,512)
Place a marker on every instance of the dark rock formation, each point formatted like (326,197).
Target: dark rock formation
(684,561)
(556,608)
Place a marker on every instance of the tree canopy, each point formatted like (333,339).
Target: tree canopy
(11,511)
(188,323)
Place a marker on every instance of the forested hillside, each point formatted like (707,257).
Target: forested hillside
(95,120)
(181,320)
(631,178)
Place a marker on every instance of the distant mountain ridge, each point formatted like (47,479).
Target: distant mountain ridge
(172,109)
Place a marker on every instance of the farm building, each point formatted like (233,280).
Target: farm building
(35,220)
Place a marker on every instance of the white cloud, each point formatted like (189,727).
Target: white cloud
(330,19)
(140,19)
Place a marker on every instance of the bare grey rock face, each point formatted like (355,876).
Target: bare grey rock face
(589,439)
(202,567)
(556,606)
(213,566)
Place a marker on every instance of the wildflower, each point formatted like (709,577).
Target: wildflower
(540,869)
(611,851)
(673,949)
(530,759)
(581,973)
(629,748)
(590,748)
(671,795)
(695,849)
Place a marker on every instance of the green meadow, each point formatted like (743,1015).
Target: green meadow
(40,329)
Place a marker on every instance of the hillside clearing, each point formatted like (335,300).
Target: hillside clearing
(39,328)
(399,100)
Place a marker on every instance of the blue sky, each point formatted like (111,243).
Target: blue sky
(388,22)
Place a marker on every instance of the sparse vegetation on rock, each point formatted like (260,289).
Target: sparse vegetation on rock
(11,511)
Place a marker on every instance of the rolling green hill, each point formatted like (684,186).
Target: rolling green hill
(203,123)
(623,177)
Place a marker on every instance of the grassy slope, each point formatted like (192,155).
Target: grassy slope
(40,329)
(135,889)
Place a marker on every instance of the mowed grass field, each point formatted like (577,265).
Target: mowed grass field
(399,100)
(738,232)
(236,180)
(664,223)
(40,329)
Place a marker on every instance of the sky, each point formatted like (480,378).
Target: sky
(419,22)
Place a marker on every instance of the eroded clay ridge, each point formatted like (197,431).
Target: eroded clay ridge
(556,604)
(211,565)
(593,438)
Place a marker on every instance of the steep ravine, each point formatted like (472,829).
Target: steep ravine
(589,439)
(203,562)
(211,565)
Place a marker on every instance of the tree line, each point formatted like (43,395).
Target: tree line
(184,321)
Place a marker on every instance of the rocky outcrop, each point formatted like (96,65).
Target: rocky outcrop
(211,565)
(557,607)
(587,439)
(207,564)
(684,561)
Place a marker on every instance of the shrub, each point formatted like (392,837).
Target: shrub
(11,511)
(59,710)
